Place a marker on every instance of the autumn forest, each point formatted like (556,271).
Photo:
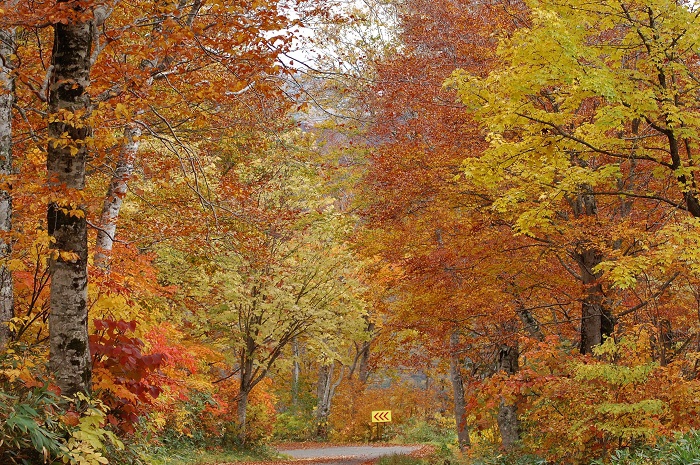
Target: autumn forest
(227,225)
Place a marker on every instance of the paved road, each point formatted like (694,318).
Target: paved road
(347,454)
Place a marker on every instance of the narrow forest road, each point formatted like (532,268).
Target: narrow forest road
(344,455)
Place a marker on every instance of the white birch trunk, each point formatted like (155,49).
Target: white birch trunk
(7,302)
(68,319)
(115,196)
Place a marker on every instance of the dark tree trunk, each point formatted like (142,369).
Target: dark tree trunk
(246,385)
(460,407)
(7,94)
(66,157)
(362,352)
(363,371)
(508,423)
(596,319)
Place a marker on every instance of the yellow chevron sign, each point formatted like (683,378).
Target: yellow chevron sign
(381,416)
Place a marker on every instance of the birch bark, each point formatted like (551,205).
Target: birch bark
(7,303)
(67,225)
(124,168)
(115,196)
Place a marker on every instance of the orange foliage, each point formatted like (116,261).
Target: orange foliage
(575,408)
(353,405)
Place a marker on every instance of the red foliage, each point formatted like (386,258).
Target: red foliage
(133,374)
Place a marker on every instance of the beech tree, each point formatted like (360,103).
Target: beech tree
(67,150)
(200,60)
(592,127)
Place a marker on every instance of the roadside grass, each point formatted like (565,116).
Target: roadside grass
(401,460)
(200,456)
(422,432)
(509,459)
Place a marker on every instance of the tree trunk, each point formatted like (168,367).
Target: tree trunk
(115,196)
(532,326)
(360,362)
(241,413)
(363,372)
(67,225)
(244,390)
(296,372)
(458,390)
(596,319)
(508,423)
(325,391)
(7,302)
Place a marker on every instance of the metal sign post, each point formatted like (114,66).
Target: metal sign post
(379,417)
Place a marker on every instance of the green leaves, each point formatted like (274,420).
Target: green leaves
(88,440)
(26,421)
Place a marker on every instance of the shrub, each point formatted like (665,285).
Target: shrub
(437,431)
(37,426)
(294,425)
(684,450)
(576,411)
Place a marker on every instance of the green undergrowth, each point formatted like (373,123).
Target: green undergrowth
(401,460)
(197,456)
(683,450)
(509,459)
(423,432)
